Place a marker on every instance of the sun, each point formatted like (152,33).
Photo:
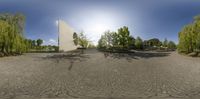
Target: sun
(98,24)
(95,22)
(99,28)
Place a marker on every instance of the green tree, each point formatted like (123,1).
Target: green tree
(132,42)
(4,35)
(102,43)
(138,43)
(33,43)
(116,40)
(81,40)
(39,42)
(154,42)
(107,40)
(124,37)
(171,45)
(198,43)
(189,37)
(11,31)
(165,42)
(75,37)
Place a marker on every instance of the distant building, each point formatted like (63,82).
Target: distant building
(65,38)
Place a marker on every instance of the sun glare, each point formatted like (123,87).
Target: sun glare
(94,22)
(97,24)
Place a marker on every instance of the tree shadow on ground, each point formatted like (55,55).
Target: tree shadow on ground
(135,55)
(72,57)
(193,93)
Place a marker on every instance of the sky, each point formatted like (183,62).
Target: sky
(145,18)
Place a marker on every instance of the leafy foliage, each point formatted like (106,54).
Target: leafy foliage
(75,37)
(154,42)
(171,45)
(138,43)
(124,37)
(109,39)
(39,42)
(121,39)
(189,37)
(11,34)
(81,40)
(165,42)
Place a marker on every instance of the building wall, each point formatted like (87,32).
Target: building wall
(65,37)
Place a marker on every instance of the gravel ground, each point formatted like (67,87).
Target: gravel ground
(97,75)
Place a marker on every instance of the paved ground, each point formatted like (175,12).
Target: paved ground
(97,75)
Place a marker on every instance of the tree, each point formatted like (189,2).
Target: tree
(75,37)
(4,37)
(39,42)
(81,40)
(138,43)
(116,40)
(11,33)
(154,42)
(189,37)
(28,44)
(165,42)
(109,38)
(171,45)
(183,45)
(124,37)
(102,43)
(33,43)
(132,42)
(198,43)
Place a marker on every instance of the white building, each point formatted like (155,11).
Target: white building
(65,38)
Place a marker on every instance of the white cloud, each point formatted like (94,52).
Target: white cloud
(51,42)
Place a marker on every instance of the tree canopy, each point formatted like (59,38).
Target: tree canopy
(138,43)
(123,40)
(39,42)
(154,42)
(189,37)
(120,39)
(81,40)
(11,33)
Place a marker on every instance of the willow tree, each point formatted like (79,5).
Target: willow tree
(189,37)
(4,33)
(11,33)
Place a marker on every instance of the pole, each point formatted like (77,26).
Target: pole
(58,33)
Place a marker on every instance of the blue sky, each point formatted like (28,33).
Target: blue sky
(145,18)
